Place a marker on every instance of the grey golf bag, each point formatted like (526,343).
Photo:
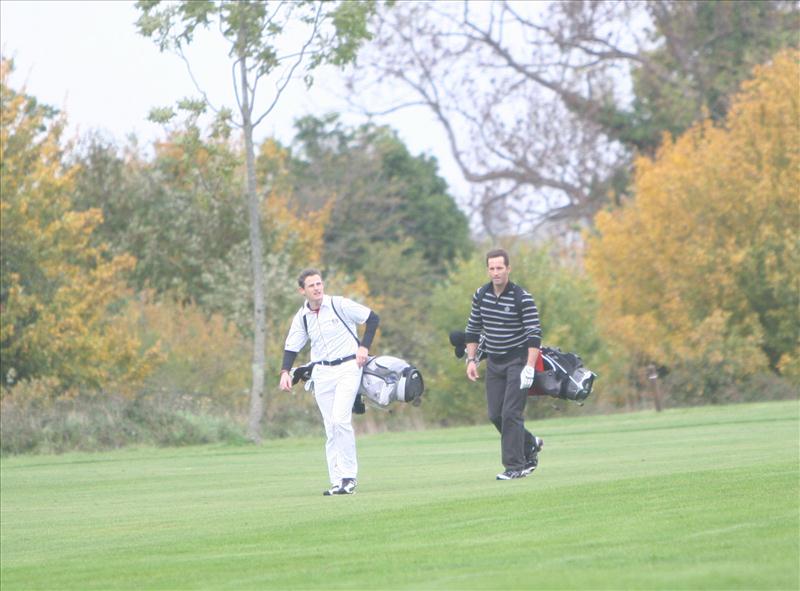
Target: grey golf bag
(386,379)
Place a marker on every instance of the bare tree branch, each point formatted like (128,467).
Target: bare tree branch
(488,101)
(281,85)
(536,99)
(194,81)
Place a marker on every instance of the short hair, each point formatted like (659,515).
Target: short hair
(305,274)
(497,252)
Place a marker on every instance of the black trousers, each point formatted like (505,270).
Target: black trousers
(506,405)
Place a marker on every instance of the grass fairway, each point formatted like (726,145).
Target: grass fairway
(703,498)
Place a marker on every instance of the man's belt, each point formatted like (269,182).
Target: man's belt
(338,361)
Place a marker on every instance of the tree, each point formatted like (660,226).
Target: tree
(179,213)
(703,51)
(544,105)
(702,267)
(258,33)
(61,295)
(380,194)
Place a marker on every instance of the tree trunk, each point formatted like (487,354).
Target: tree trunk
(256,259)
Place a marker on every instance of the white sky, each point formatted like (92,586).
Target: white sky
(86,58)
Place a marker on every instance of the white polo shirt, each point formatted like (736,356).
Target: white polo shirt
(330,338)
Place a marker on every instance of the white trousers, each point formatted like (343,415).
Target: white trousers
(335,388)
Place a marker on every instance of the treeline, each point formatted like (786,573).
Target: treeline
(126,287)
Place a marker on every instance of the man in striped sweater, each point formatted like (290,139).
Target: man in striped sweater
(507,317)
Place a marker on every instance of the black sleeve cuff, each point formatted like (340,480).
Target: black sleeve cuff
(471,337)
(369,332)
(288,359)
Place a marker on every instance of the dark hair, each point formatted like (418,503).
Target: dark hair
(305,274)
(497,252)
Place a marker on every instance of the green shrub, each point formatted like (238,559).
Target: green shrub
(31,423)
(694,385)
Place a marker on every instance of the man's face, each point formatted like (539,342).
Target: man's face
(498,272)
(313,289)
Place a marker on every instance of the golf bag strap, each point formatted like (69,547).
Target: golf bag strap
(347,326)
(518,304)
(335,311)
(517,297)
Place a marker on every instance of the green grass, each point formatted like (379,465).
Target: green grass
(703,498)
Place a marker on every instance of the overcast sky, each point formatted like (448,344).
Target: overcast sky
(86,58)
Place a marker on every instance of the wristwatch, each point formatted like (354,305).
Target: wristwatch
(471,360)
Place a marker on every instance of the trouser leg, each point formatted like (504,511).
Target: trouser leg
(506,406)
(335,390)
(324,397)
(343,434)
(495,393)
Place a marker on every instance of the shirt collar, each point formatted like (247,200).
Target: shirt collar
(509,287)
(326,299)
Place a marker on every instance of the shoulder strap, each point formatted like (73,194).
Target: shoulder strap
(347,326)
(305,322)
(482,291)
(518,301)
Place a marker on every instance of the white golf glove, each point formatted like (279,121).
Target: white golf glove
(526,377)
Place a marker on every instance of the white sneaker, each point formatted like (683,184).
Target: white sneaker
(511,475)
(348,487)
(333,490)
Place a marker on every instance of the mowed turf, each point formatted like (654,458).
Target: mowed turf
(704,498)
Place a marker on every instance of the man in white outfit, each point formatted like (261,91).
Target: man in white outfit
(329,322)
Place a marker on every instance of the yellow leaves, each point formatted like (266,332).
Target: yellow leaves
(272,173)
(714,223)
(273,153)
(789,365)
(717,340)
(300,236)
(198,354)
(61,294)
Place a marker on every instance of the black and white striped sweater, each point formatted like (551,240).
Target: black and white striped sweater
(507,328)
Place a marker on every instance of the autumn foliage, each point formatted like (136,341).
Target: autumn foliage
(702,267)
(126,279)
(61,295)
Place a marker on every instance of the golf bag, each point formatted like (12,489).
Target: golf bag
(385,379)
(563,376)
(558,374)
